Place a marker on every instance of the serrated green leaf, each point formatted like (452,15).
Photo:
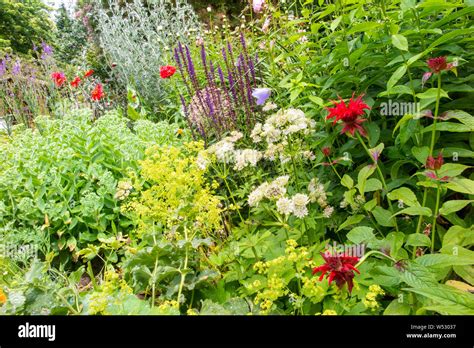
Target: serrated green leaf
(453,206)
(404,195)
(361,234)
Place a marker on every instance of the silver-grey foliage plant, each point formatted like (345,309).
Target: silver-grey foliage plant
(138,38)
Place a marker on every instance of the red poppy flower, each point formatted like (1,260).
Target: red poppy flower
(59,78)
(340,268)
(75,82)
(98,92)
(167,71)
(434,163)
(88,73)
(350,114)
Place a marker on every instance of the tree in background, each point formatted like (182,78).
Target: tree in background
(23,23)
(71,37)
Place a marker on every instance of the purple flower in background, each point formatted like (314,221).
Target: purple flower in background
(47,50)
(3,67)
(16,68)
(261,94)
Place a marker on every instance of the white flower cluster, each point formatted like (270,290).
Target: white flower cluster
(297,205)
(276,191)
(317,193)
(244,158)
(284,122)
(226,152)
(277,128)
(224,149)
(271,190)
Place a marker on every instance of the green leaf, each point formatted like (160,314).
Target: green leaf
(418,239)
(383,217)
(452,169)
(398,89)
(421,153)
(461,116)
(405,195)
(403,120)
(432,93)
(397,308)
(347,181)
(361,234)
(448,127)
(444,260)
(400,42)
(447,300)
(365,27)
(415,210)
(373,184)
(417,275)
(457,235)
(462,185)
(397,75)
(453,206)
(316,100)
(364,173)
(351,220)
(465,272)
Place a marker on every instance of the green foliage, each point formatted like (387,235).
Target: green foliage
(60,180)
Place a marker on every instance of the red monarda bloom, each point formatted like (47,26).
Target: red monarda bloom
(438,64)
(167,71)
(59,78)
(434,163)
(326,151)
(88,73)
(340,268)
(98,92)
(75,82)
(350,114)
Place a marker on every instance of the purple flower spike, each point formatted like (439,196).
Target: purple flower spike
(262,94)
(16,68)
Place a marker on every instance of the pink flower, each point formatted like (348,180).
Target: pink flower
(258,5)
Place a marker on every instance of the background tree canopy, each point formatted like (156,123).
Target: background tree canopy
(23,23)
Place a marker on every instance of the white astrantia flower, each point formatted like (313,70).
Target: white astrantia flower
(256,132)
(300,200)
(257,195)
(223,150)
(234,136)
(285,206)
(300,212)
(328,211)
(269,106)
(202,161)
(244,158)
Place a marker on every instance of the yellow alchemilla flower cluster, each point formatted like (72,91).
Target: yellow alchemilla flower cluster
(178,190)
(370,300)
(276,286)
(329,312)
(111,285)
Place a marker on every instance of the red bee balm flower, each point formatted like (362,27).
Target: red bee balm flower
(98,92)
(350,114)
(434,163)
(88,73)
(167,71)
(340,268)
(75,82)
(438,64)
(59,78)
(326,150)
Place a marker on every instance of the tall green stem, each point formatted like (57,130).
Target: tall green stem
(379,171)
(185,267)
(432,143)
(435,215)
